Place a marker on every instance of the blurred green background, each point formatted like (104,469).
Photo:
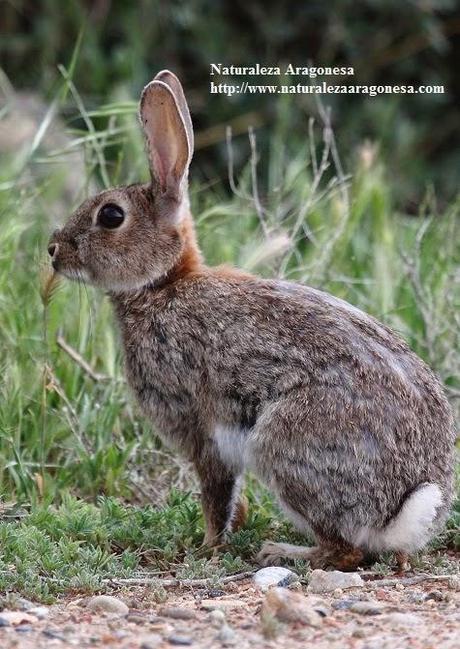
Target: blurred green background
(361,201)
(387,42)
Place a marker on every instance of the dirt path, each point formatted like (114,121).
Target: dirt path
(420,616)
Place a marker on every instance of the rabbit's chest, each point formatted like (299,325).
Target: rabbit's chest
(233,447)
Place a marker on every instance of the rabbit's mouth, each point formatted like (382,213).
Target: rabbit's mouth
(73,274)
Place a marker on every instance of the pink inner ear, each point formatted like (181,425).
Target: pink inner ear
(158,165)
(167,141)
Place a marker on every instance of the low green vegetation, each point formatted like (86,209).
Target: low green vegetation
(88,491)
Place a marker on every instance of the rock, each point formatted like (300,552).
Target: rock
(108,604)
(290,606)
(151,641)
(180,640)
(14,618)
(402,620)
(41,612)
(366,608)
(217,618)
(24,628)
(227,636)
(325,582)
(177,613)
(273,576)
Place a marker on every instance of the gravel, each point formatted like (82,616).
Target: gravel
(421,616)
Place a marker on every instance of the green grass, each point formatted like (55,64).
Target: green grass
(74,451)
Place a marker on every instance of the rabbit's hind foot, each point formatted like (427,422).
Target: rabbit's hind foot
(402,560)
(342,558)
(272,554)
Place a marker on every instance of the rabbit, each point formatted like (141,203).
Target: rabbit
(329,408)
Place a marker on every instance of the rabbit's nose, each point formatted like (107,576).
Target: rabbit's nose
(52,249)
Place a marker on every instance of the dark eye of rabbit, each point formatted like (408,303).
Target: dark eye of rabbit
(110,216)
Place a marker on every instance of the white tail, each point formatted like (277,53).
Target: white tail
(411,528)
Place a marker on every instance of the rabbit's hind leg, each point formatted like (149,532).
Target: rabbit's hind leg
(342,557)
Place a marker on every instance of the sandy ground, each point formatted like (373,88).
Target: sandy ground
(397,615)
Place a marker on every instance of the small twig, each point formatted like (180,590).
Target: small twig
(172,583)
(70,412)
(311,142)
(231,173)
(255,187)
(406,581)
(79,360)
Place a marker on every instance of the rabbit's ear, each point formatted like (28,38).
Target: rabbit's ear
(168,145)
(173,82)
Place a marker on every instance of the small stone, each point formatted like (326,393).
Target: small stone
(227,636)
(324,582)
(217,618)
(41,612)
(177,613)
(151,641)
(321,607)
(435,595)
(108,604)
(14,618)
(382,595)
(416,597)
(138,618)
(359,633)
(24,628)
(288,606)
(338,592)
(366,608)
(400,586)
(52,633)
(401,620)
(23,604)
(273,576)
(180,640)
(213,592)
(453,583)
(343,604)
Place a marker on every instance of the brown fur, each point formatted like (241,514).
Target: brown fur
(327,406)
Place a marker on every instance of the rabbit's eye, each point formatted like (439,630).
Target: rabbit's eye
(110,216)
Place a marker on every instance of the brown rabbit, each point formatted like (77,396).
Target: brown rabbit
(328,407)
